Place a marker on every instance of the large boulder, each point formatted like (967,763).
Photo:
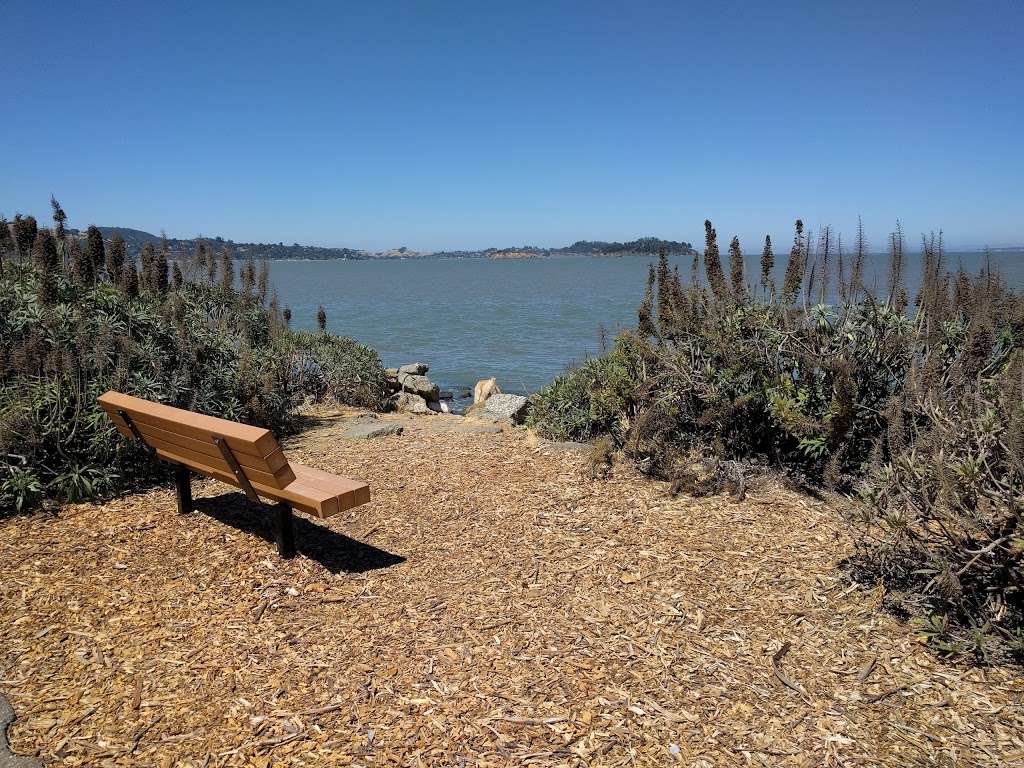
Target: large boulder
(484,389)
(506,407)
(410,403)
(415,369)
(419,385)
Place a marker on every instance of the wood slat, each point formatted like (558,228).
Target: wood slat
(298,494)
(351,493)
(254,441)
(198,460)
(273,469)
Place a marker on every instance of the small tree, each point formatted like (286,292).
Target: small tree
(94,249)
(287,316)
(767,265)
(263,281)
(321,319)
(59,217)
(860,251)
(6,243)
(160,268)
(645,314)
(81,265)
(248,277)
(739,288)
(274,312)
(227,269)
(25,231)
(59,232)
(115,258)
(713,262)
(47,261)
(795,267)
(209,261)
(146,259)
(177,279)
(130,279)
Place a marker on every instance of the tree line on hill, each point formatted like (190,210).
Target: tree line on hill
(646,246)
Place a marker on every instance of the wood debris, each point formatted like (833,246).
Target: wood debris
(494,605)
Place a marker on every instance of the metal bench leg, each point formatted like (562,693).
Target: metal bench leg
(284,530)
(183,486)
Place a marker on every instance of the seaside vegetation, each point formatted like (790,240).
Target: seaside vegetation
(78,316)
(911,408)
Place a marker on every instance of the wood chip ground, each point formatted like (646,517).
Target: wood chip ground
(493,606)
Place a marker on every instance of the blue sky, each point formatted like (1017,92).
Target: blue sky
(443,125)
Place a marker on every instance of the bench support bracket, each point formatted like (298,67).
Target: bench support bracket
(183,487)
(284,530)
(135,431)
(236,469)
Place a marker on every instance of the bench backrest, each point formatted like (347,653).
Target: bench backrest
(187,438)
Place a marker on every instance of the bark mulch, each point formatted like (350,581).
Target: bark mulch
(492,606)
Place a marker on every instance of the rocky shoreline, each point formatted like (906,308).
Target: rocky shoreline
(412,391)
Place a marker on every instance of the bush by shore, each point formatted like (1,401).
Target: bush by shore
(912,406)
(79,318)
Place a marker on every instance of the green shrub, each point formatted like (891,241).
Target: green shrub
(591,400)
(917,408)
(336,369)
(190,344)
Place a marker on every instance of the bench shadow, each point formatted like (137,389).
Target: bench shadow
(334,551)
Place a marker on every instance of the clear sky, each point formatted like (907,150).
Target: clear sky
(444,125)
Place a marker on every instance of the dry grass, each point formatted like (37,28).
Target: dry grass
(539,617)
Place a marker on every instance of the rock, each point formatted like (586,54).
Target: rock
(7,758)
(484,389)
(445,394)
(414,369)
(511,407)
(366,431)
(435,406)
(419,385)
(410,403)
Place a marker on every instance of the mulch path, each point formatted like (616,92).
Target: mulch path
(492,606)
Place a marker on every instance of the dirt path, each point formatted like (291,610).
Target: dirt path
(492,606)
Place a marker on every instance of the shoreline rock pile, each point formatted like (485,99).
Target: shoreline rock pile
(411,391)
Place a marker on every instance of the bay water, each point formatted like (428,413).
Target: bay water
(520,321)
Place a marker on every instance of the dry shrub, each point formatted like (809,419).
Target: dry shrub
(916,407)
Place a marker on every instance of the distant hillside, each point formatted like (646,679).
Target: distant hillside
(135,239)
(643,245)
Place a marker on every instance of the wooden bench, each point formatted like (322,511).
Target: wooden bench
(238,454)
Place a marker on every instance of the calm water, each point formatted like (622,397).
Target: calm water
(522,322)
